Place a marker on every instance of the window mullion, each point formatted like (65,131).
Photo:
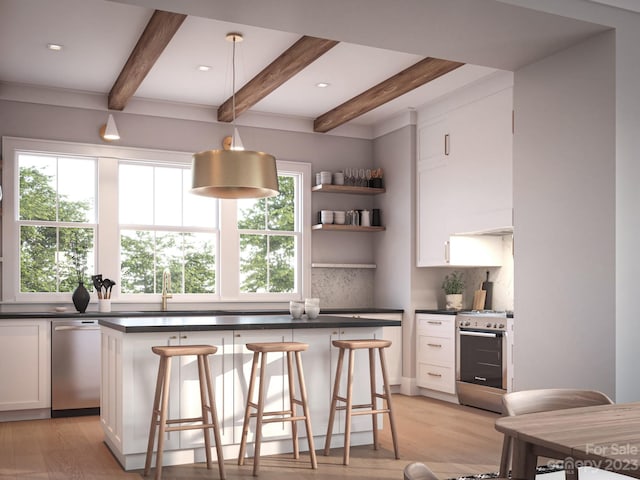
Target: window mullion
(108,234)
(229,257)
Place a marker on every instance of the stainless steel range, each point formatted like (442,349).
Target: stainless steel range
(482,342)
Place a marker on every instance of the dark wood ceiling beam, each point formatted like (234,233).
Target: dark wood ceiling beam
(156,36)
(401,83)
(302,53)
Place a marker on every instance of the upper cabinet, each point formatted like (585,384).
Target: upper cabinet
(464,175)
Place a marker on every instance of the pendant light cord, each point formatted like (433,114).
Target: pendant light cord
(233,83)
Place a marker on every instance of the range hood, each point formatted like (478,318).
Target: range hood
(496,232)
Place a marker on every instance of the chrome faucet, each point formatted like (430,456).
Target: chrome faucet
(166,288)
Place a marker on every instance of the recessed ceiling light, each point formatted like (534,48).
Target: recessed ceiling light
(322,84)
(56,47)
(204,68)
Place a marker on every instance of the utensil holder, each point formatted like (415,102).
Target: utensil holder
(104,305)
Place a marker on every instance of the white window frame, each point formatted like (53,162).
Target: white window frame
(108,243)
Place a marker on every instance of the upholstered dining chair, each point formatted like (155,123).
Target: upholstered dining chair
(544,400)
(418,471)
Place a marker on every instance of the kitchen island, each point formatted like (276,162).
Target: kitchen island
(129,371)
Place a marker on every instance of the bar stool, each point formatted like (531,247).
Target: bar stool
(260,351)
(209,418)
(371,408)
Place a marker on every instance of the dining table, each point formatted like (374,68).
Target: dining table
(605,437)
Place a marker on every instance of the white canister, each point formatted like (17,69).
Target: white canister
(338,178)
(365,218)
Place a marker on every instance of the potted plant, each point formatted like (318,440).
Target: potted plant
(453,286)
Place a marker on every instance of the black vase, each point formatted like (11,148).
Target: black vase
(81,298)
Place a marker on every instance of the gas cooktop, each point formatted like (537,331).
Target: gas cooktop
(484,313)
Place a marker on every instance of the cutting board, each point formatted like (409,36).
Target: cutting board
(478,299)
(488,287)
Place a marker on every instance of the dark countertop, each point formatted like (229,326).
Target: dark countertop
(450,312)
(184,313)
(236,322)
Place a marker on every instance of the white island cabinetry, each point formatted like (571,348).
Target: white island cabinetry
(129,372)
(25,369)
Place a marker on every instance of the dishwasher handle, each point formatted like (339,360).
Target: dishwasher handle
(59,328)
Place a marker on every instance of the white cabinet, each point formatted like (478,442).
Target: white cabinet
(464,176)
(436,352)
(129,373)
(393,354)
(277,386)
(320,379)
(25,365)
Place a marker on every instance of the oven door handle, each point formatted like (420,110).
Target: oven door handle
(468,333)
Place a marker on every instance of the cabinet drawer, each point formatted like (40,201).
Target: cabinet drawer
(436,350)
(436,377)
(436,325)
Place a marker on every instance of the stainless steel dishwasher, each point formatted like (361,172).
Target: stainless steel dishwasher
(75,367)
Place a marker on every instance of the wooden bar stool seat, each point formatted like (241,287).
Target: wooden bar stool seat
(207,421)
(260,351)
(365,409)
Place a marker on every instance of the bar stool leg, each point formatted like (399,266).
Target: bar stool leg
(374,399)
(204,408)
(259,415)
(247,411)
(334,402)
(214,418)
(154,417)
(387,394)
(348,410)
(305,409)
(292,405)
(163,416)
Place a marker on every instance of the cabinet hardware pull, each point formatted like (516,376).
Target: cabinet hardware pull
(431,374)
(482,379)
(183,336)
(434,345)
(434,322)
(446,144)
(446,251)
(172,337)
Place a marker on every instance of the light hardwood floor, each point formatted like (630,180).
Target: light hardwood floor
(453,440)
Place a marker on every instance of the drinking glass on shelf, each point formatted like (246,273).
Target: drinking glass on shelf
(362,180)
(348,179)
(368,175)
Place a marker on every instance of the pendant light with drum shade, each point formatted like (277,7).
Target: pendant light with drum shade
(236,172)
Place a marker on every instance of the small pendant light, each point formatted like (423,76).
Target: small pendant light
(234,173)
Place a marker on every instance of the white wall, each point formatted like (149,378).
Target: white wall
(31,120)
(564,204)
(395,153)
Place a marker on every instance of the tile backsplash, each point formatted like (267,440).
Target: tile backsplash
(343,287)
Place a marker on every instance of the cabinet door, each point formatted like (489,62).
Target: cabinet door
(316,362)
(140,372)
(483,163)
(434,197)
(221,365)
(25,364)
(277,386)
(361,390)
(393,354)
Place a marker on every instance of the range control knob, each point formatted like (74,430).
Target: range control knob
(489,325)
(467,323)
(501,325)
